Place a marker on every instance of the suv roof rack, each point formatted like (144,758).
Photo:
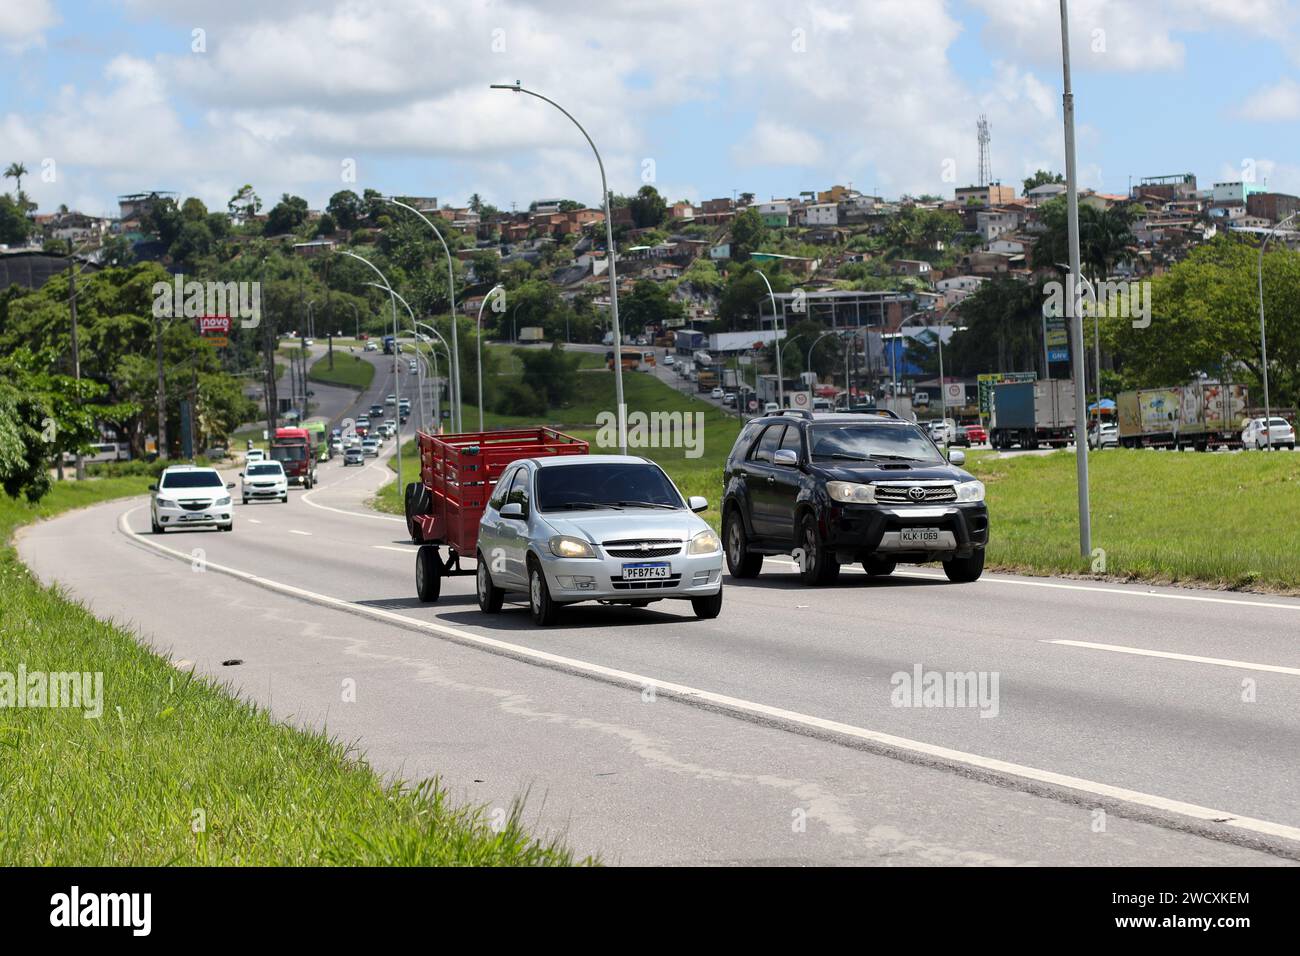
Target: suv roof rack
(803,413)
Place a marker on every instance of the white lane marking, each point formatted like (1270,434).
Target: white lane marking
(253,521)
(740,705)
(307,499)
(389,547)
(1170,655)
(1090,588)
(296,531)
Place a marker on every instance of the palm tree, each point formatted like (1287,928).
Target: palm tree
(16,171)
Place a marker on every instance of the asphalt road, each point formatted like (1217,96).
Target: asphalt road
(1130,725)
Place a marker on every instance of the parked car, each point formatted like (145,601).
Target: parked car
(834,489)
(262,480)
(353,455)
(607,528)
(1278,432)
(1105,435)
(189,496)
(372,347)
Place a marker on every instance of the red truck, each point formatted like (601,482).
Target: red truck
(295,450)
(457,475)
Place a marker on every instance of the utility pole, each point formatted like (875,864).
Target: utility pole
(162,391)
(76,353)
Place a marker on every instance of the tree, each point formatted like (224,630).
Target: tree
(347,209)
(649,304)
(164,220)
(649,209)
(15,227)
(476,203)
(16,171)
(747,234)
(1041,178)
(325,226)
(117,251)
(286,216)
(487,267)
(193,210)
(245,204)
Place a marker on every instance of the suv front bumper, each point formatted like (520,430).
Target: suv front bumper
(861,531)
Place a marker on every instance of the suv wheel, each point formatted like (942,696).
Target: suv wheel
(879,566)
(490,597)
(545,611)
(965,570)
(817,566)
(740,562)
(154,526)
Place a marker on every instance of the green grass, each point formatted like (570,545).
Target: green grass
(127,788)
(1218,520)
(350,371)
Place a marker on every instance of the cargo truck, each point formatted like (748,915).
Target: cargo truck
(1201,415)
(295,450)
(707,379)
(532,333)
(1030,414)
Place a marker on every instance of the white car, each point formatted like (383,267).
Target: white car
(716,394)
(1278,432)
(669,360)
(372,347)
(608,528)
(771,408)
(254,454)
(1105,435)
(264,480)
(390,400)
(413,366)
(370,448)
(188,495)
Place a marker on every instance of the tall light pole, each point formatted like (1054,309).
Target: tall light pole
(433,350)
(397,382)
(1263,336)
(610,251)
(943,394)
(1076,318)
(407,305)
(451,294)
(76,348)
(780,377)
(478,336)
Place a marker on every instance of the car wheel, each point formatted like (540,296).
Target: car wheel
(154,526)
(490,597)
(818,566)
(545,611)
(284,498)
(740,562)
(965,570)
(428,573)
(245,499)
(228,527)
(706,608)
(879,567)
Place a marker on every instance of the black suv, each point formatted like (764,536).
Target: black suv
(836,488)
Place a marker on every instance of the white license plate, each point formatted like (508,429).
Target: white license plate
(642,572)
(919,536)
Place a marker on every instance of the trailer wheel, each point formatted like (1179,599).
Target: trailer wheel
(428,573)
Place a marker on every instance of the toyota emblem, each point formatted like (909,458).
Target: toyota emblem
(916,494)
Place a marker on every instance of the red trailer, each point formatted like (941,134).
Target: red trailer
(457,475)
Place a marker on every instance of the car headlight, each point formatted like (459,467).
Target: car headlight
(222,502)
(567,546)
(970,491)
(706,542)
(166,503)
(851,492)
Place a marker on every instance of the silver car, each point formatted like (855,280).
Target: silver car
(607,528)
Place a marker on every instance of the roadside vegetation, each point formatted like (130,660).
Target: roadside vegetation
(1218,520)
(350,371)
(177,771)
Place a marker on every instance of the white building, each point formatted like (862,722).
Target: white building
(823,214)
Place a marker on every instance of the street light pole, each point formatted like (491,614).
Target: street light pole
(1263,335)
(1076,318)
(780,377)
(397,386)
(451,294)
(478,336)
(610,250)
(414,331)
(433,350)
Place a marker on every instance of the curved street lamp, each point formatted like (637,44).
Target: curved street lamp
(780,377)
(451,293)
(1263,336)
(433,350)
(397,383)
(610,251)
(478,337)
(418,384)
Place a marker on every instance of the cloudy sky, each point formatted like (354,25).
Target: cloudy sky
(102,97)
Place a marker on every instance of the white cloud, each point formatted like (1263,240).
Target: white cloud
(24,22)
(777,144)
(1279,102)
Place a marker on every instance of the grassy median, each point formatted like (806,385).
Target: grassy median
(177,771)
(1217,520)
(350,371)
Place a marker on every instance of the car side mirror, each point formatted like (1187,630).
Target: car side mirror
(699,503)
(956,456)
(230,484)
(512,510)
(153,487)
(787,457)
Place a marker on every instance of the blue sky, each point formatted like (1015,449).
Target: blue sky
(883,93)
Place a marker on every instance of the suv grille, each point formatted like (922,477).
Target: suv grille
(902,494)
(632,549)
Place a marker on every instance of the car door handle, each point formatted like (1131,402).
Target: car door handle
(771,479)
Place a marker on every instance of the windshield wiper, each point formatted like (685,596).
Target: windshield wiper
(873,457)
(580,505)
(647,504)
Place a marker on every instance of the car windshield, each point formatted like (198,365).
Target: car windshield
(605,485)
(192,479)
(289,452)
(266,469)
(864,441)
